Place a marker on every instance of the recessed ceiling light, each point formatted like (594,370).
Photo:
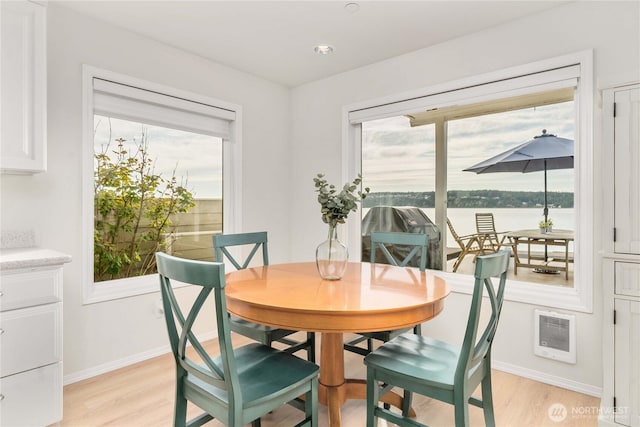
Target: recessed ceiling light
(352,7)
(323,49)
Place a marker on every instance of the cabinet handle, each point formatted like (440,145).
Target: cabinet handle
(1,331)
(1,397)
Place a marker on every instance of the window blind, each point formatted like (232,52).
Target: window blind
(131,103)
(550,80)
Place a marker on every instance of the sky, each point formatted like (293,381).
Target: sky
(397,157)
(197,159)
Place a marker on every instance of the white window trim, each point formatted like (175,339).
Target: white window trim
(232,183)
(580,296)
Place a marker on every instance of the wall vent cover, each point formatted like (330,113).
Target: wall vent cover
(555,336)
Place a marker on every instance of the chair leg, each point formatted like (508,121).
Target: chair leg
(487,402)
(372,398)
(180,410)
(311,405)
(461,408)
(406,403)
(311,350)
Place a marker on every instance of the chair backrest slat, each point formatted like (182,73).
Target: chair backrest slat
(485,223)
(474,350)
(210,277)
(221,243)
(417,241)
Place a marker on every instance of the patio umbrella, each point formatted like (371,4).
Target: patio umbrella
(543,152)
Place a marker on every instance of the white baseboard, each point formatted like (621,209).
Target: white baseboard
(607,422)
(546,378)
(126,361)
(501,366)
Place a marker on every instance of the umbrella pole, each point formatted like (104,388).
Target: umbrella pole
(546,208)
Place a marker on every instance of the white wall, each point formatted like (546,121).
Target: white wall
(102,335)
(611,29)
(288,136)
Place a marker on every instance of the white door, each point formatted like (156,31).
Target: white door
(627,172)
(627,362)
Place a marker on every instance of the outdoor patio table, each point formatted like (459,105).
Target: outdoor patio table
(370,297)
(559,238)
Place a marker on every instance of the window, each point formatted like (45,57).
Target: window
(398,164)
(157,180)
(460,102)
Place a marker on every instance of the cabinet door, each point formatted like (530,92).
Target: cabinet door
(627,362)
(627,173)
(26,289)
(30,338)
(32,398)
(23,87)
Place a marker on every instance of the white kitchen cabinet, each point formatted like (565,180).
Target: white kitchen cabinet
(627,172)
(626,366)
(23,124)
(30,337)
(620,404)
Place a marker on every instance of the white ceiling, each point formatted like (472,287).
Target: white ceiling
(275,39)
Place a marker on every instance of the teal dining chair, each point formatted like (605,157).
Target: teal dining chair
(413,242)
(240,385)
(440,370)
(262,333)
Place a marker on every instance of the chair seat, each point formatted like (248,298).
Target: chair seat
(429,361)
(256,331)
(260,373)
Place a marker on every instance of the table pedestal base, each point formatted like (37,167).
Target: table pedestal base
(334,389)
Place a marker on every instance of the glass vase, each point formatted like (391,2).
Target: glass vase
(332,256)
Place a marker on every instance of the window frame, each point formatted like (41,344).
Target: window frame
(580,296)
(94,292)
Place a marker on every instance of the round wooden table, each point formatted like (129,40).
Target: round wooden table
(370,297)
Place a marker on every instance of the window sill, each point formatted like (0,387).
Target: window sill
(122,288)
(527,292)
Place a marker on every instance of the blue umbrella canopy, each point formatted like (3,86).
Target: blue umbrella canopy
(543,152)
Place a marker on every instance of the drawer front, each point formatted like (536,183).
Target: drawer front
(32,398)
(30,338)
(628,279)
(26,289)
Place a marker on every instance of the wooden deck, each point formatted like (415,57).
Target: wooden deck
(524,274)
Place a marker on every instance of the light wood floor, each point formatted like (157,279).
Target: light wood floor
(142,395)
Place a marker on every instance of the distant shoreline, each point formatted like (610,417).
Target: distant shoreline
(472,199)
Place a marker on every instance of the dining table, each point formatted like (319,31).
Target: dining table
(541,263)
(368,298)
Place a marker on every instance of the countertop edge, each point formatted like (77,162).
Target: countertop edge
(22,258)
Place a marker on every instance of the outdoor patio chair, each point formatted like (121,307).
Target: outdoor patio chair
(261,333)
(241,384)
(490,239)
(469,244)
(440,370)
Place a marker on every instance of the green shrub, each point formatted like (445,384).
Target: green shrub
(132,210)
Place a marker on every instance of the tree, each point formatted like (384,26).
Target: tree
(132,210)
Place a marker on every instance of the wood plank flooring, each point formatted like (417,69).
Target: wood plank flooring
(141,395)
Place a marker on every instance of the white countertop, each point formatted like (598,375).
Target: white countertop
(17,258)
